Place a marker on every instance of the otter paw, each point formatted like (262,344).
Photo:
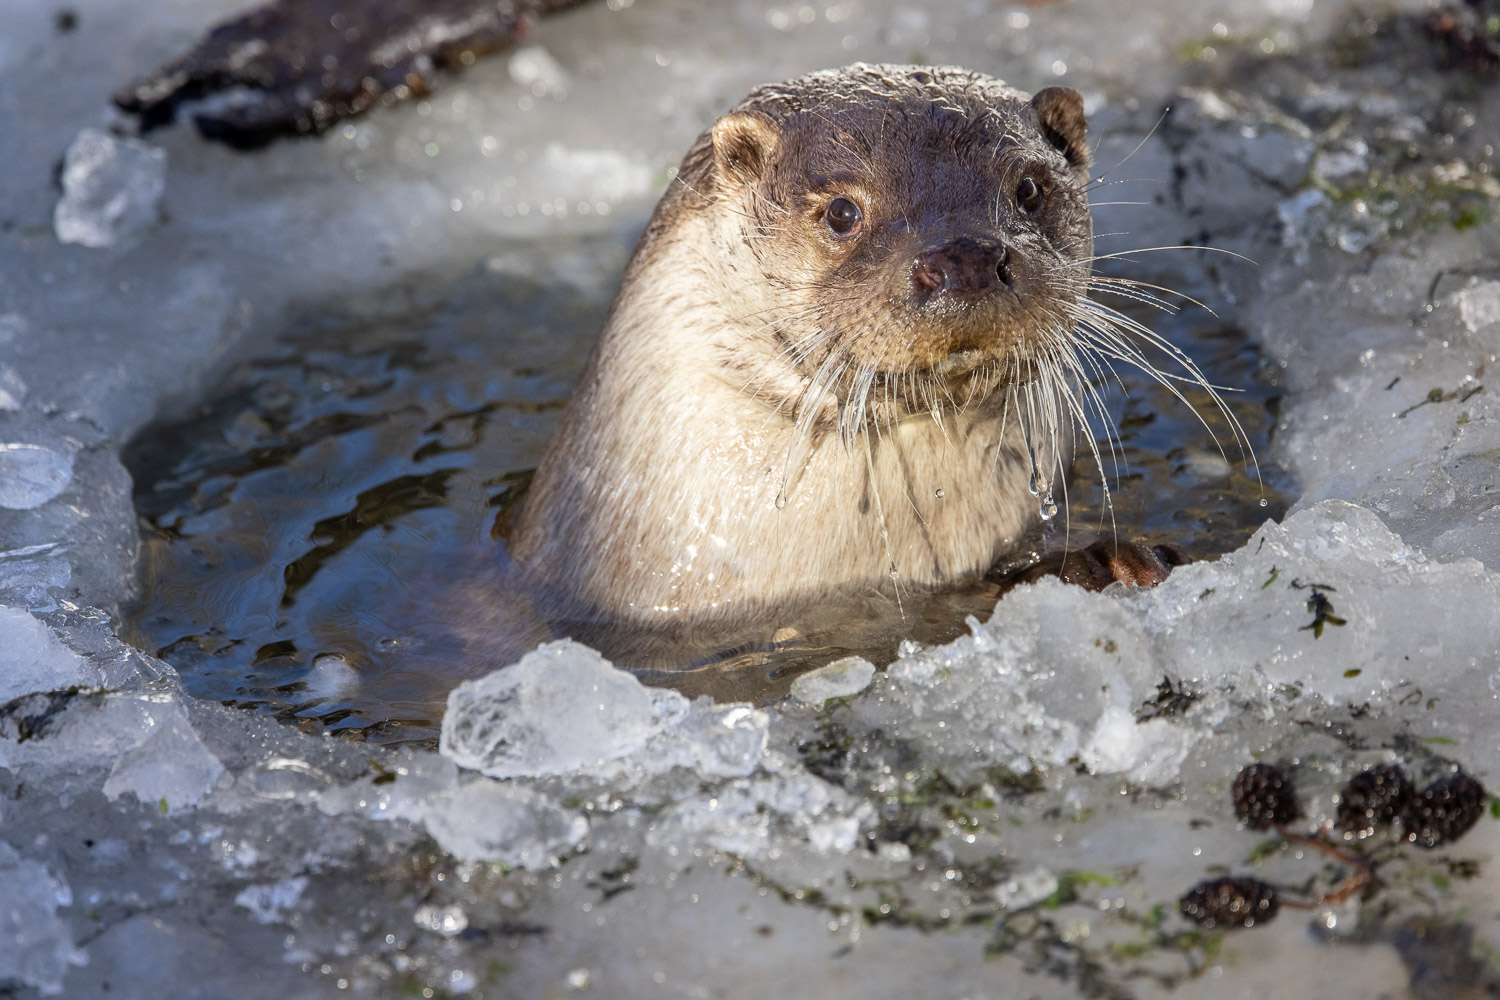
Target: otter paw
(1105,562)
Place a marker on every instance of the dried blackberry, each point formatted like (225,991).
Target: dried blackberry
(1373,799)
(1229,902)
(1264,797)
(1444,810)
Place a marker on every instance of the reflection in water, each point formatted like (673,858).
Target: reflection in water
(336,498)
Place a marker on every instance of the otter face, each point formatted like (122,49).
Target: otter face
(925,232)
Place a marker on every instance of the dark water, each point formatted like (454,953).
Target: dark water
(298,524)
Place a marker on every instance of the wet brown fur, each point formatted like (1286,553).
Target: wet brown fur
(775,416)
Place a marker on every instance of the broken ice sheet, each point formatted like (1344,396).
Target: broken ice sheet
(496,821)
(32,659)
(1060,675)
(30,475)
(171,766)
(141,744)
(28,573)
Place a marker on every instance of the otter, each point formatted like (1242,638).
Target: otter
(843,359)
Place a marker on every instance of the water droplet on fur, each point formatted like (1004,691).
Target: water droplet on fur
(780,501)
(1264,502)
(938,493)
(1035,483)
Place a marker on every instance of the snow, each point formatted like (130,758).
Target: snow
(667,844)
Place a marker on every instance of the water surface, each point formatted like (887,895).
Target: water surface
(303,524)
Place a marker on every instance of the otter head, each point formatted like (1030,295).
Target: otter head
(923,236)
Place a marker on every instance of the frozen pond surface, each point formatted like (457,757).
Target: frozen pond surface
(1014,813)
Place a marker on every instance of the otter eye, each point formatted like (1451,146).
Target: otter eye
(843,216)
(1029,196)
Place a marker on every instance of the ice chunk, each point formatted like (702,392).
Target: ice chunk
(1341,164)
(332,677)
(534,68)
(1302,217)
(1479,305)
(269,903)
(32,659)
(564,710)
(36,947)
(480,820)
(494,821)
(1026,889)
(423,778)
(171,767)
(30,475)
(563,707)
(754,816)
(721,741)
(111,187)
(1149,752)
(839,679)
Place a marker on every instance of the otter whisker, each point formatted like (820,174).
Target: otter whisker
(1117,182)
(1065,358)
(1138,147)
(1105,330)
(1143,296)
(872,483)
(1118,280)
(1128,254)
(1147,293)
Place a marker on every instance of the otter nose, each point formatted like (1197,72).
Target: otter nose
(964,267)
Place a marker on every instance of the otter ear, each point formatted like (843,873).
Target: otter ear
(743,144)
(1059,110)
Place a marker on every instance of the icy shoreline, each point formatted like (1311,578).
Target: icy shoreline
(154,844)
